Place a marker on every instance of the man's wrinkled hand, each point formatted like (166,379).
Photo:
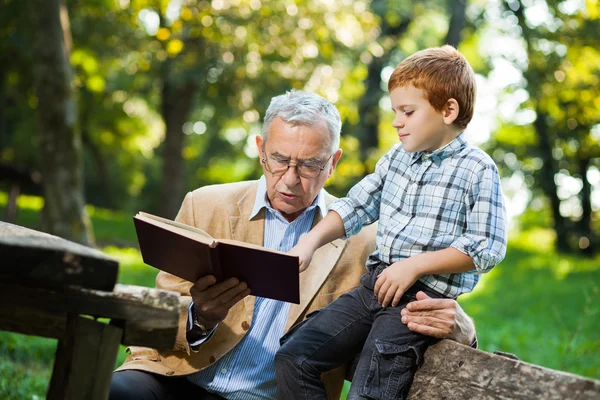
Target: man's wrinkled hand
(440,318)
(212,300)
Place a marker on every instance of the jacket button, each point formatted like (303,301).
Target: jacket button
(170,373)
(212,359)
(245,325)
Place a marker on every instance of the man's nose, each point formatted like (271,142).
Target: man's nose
(291,177)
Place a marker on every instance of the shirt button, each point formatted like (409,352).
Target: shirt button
(224,370)
(245,325)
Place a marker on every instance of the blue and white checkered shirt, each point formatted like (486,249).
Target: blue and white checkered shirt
(425,202)
(247,371)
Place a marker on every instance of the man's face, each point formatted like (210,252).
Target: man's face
(290,193)
(420,127)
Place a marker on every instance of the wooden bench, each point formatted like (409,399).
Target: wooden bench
(451,371)
(58,289)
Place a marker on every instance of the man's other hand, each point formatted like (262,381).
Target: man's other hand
(212,300)
(440,318)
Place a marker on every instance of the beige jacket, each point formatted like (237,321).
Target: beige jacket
(224,211)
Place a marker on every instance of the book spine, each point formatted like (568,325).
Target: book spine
(215,263)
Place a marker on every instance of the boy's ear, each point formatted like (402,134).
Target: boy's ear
(450,111)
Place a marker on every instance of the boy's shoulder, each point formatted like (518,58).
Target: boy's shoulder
(477,157)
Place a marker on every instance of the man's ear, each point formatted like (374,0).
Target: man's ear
(259,146)
(450,111)
(336,157)
(334,160)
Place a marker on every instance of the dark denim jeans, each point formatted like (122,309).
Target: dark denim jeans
(332,336)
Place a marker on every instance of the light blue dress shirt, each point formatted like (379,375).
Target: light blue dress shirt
(247,372)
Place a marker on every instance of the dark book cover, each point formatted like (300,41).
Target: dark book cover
(190,254)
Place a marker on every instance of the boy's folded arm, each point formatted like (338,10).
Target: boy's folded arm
(445,261)
(485,252)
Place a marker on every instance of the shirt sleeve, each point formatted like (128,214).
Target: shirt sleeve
(361,206)
(485,238)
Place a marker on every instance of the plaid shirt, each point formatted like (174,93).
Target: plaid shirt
(431,201)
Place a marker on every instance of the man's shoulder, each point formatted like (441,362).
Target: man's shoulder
(226,196)
(232,191)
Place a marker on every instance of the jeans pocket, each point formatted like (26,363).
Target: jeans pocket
(391,371)
(294,328)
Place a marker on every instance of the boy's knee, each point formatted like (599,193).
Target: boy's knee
(120,388)
(132,385)
(285,359)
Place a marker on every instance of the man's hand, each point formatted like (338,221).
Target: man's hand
(440,318)
(212,300)
(394,281)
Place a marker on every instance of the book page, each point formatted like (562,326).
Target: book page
(183,229)
(250,246)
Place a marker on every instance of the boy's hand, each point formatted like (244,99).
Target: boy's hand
(394,281)
(304,251)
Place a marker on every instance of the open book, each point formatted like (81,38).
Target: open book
(190,253)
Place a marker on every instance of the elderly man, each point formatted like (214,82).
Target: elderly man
(228,339)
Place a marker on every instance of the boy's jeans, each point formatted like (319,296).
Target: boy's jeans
(334,335)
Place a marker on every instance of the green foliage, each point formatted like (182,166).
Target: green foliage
(559,152)
(541,307)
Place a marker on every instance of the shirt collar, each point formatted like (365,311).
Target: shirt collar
(452,148)
(262,200)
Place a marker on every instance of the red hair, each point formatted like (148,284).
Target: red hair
(442,73)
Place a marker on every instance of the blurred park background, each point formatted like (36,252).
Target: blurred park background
(108,107)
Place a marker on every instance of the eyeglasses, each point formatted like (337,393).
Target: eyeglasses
(279,166)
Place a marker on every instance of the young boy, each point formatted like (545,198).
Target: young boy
(441,223)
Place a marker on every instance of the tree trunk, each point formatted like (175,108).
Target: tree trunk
(60,145)
(547,183)
(177,99)
(585,224)
(367,130)
(86,101)
(3,131)
(457,21)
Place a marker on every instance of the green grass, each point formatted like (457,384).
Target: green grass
(543,307)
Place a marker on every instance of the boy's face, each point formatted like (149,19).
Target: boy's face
(420,127)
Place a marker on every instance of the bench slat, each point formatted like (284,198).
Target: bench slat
(27,255)
(148,317)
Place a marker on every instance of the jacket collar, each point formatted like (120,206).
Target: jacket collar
(251,229)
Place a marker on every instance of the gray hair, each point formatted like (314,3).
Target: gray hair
(300,107)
